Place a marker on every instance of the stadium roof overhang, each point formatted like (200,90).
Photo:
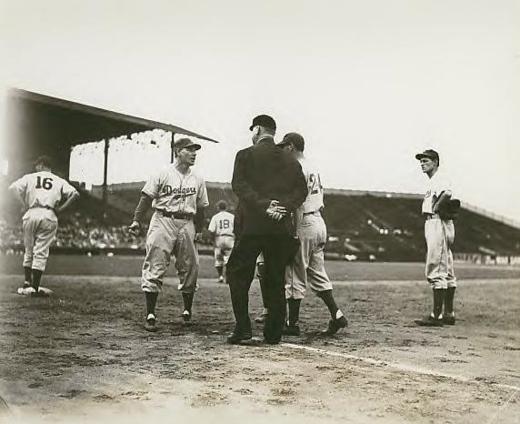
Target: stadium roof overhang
(38,124)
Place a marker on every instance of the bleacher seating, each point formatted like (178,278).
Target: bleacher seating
(366,225)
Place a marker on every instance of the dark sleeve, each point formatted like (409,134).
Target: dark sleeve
(242,188)
(299,191)
(145,202)
(199,219)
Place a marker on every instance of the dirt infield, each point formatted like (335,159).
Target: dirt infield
(82,356)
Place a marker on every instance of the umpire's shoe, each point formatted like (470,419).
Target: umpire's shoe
(448,319)
(150,322)
(430,321)
(239,335)
(336,324)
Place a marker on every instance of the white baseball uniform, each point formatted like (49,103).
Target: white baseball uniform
(309,262)
(439,235)
(41,193)
(222,224)
(176,198)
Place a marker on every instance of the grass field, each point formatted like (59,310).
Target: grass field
(82,355)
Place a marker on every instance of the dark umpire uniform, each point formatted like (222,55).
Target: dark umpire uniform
(262,173)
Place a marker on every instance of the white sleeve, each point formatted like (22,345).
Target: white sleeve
(67,189)
(153,186)
(202,196)
(19,187)
(213,224)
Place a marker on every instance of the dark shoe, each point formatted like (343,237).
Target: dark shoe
(429,321)
(186,316)
(150,322)
(448,319)
(291,330)
(336,324)
(271,341)
(237,336)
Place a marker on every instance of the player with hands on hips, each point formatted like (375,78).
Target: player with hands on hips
(178,197)
(43,195)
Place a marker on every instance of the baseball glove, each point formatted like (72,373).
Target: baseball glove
(449,209)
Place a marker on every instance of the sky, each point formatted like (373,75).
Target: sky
(367,83)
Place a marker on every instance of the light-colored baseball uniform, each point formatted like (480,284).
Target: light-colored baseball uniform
(439,235)
(41,193)
(222,224)
(309,262)
(176,198)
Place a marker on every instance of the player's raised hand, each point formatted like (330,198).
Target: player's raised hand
(134,228)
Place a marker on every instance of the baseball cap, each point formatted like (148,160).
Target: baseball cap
(429,153)
(264,121)
(183,143)
(295,139)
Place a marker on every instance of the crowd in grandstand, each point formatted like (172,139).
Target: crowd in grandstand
(76,231)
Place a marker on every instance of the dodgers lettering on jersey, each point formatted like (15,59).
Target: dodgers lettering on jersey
(42,190)
(174,192)
(434,187)
(314,200)
(222,224)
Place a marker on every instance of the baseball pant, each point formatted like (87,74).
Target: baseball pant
(309,262)
(440,236)
(167,236)
(223,247)
(39,231)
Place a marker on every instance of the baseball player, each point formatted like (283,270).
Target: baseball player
(221,227)
(438,209)
(178,197)
(309,262)
(43,196)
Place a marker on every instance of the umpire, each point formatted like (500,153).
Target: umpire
(270,185)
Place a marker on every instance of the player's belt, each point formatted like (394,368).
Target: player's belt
(428,216)
(311,213)
(175,215)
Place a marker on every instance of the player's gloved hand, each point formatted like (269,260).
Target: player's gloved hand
(275,211)
(134,228)
(198,237)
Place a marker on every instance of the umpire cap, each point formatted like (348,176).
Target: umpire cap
(264,121)
(429,153)
(183,143)
(295,139)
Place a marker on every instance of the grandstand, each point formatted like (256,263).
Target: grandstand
(362,225)
(370,225)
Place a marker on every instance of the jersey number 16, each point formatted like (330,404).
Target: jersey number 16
(45,183)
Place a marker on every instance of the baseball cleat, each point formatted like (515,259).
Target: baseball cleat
(291,330)
(430,321)
(448,319)
(237,336)
(26,291)
(336,324)
(186,316)
(150,322)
